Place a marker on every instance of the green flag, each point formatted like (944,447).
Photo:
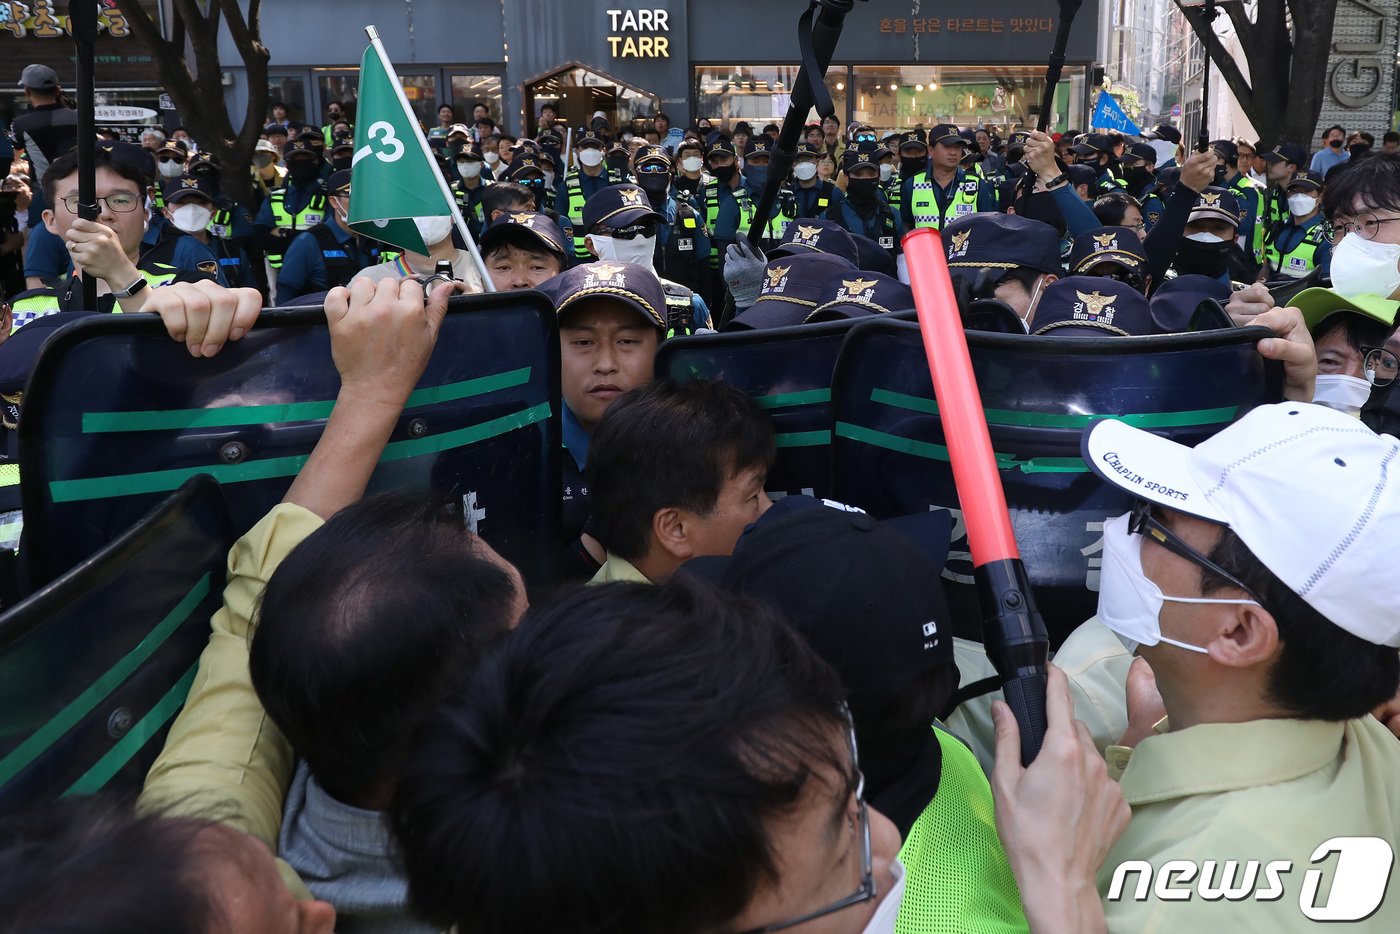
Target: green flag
(394,179)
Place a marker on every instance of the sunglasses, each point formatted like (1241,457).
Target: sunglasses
(1142,522)
(645,229)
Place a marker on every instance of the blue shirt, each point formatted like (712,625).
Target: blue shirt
(1327,158)
(297,198)
(1289,237)
(304,268)
(807,199)
(575,438)
(46,256)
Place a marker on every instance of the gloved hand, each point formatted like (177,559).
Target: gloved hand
(743,271)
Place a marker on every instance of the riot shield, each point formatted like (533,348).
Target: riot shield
(117,415)
(788,371)
(889,454)
(94,666)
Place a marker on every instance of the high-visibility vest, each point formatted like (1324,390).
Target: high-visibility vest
(923,202)
(308,217)
(221,223)
(46,302)
(1302,259)
(573,185)
(1249,192)
(680,308)
(747,210)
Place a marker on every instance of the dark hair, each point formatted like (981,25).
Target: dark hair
(486,121)
(670,445)
(1361,330)
(137,875)
(118,161)
(507,138)
(1391,137)
(551,107)
(1111,207)
(661,115)
(1322,672)
(517,236)
(1368,138)
(506,196)
(363,629)
(1336,126)
(613,766)
(1375,181)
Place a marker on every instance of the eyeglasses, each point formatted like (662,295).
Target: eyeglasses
(645,229)
(1380,365)
(1141,522)
(866,891)
(652,168)
(171,159)
(121,202)
(1367,225)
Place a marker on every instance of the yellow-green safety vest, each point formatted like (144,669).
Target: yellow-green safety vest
(1299,261)
(747,210)
(574,187)
(923,202)
(26,309)
(308,217)
(1247,190)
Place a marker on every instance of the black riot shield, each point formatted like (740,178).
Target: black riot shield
(889,453)
(94,666)
(117,415)
(788,371)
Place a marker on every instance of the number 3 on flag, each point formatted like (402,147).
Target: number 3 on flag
(393,150)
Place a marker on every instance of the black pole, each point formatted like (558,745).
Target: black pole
(1068,10)
(818,31)
(1203,138)
(83,17)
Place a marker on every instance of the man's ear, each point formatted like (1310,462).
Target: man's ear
(1250,638)
(50,222)
(588,242)
(668,531)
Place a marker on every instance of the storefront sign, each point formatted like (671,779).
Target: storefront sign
(1361,68)
(936,24)
(643,26)
(40,18)
(117,114)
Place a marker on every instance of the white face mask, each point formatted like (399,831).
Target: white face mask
(191,218)
(433,229)
(171,169)
(638,250)
(1301,205)
(1365,267)
(886,171)
(882,921)
(549,179)
(695,163)
(492,157)
(803,171)
(1343,393)
(1130,603)
(590,157)
(1204,236)
(1165,150)
(469,169)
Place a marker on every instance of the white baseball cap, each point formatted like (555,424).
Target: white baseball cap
(1307,489)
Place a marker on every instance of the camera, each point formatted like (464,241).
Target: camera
(442,272)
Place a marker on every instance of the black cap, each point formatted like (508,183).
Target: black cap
(635,287)
(525,227)
(1081,306)
(867,154)
(619,148)
(792,288)
(38,78)
(1174,304)
(1226,150)
(137,157)
(1216,202)
(339,183)
(274,128)
(1310,181)
(299,147)
(1094,143)
(1119,245)
(948,134)
(912,141)
(866,594)
(1143,151)
(203,162)
(1287,152)
(1002,241)
(525,162)
(1081,174)
(1163,131)
(619,206)
(722,146)
(178,146)
(861,295)
(549,140)
(816,235)
(189,186)
(590,140)
(808,151)
(759,145)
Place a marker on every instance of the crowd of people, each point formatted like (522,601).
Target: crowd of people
(736,714)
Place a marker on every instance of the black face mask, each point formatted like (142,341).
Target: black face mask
(618,164)
(1335,144)
(1221,173)
(908,168)
(1137,177)
(1203,259)
(686,184)
(1041,206)
(724,173)
(303,170)
(656,186)
(1381,413)
(341,162)
(862,190)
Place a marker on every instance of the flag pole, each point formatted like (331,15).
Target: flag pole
(461,224)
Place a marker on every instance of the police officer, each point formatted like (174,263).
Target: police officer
(343,154)
(469,187)
(683,244)
(1140,180)
(1249,195)
(526,170)
(1096,151)
(812,196)
(1280,165)
(757,155)
(1302,245)
(578,185)
(945,191)
(619,162)
(729,207)
(622,227)
(170,166)
(865,212)
(301,205)
(1209,248)
(913,162)
(328,254)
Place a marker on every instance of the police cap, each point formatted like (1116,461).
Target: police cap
(1094,144)
(816,235)
(619,206)
(525,227)
(1002,241)
(301,148)
(861,295)
(635,287)
(1085,306)
(189,187)
(1119,245)
(338,185)
(792,289)
(946,134)
(1217,203)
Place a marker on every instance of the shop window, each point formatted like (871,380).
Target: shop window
(758,94)
(1007,97)
(290,92)
(469,90)
(577,93)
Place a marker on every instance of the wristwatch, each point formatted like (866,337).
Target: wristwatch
(1057,181)
(132,289)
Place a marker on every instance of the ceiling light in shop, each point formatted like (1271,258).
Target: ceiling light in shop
(894,87)
(918,87)
(840,85)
